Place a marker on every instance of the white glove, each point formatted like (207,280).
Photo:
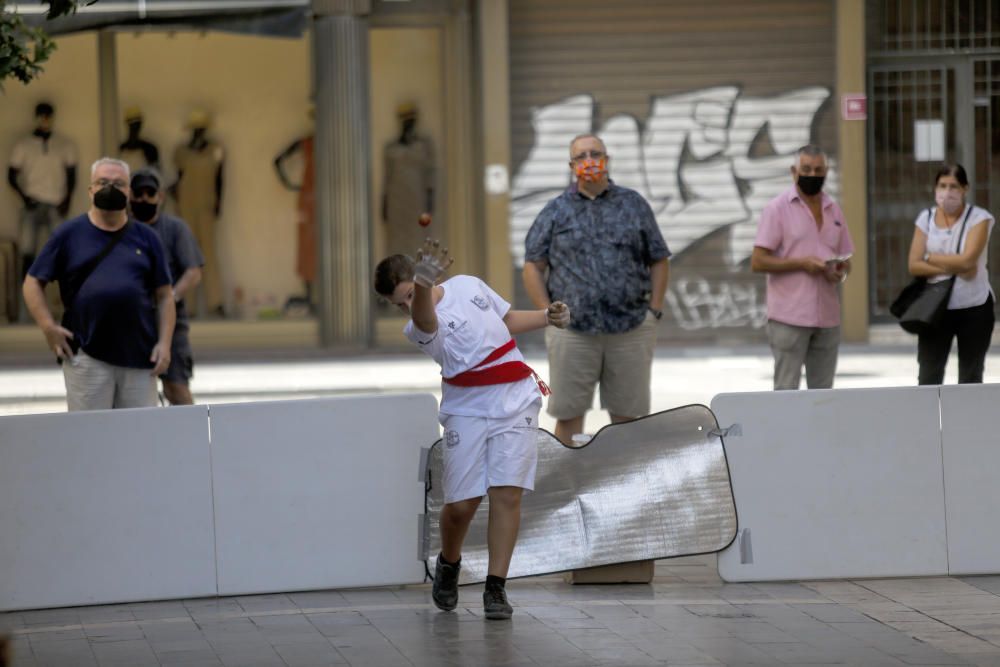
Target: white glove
(432,261)
(557,314)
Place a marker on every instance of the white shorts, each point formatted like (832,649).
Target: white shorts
(481,452)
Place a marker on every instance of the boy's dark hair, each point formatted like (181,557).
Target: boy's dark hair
(44,109)
(391,271)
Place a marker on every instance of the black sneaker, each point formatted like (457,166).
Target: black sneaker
(445,589)
(495,605)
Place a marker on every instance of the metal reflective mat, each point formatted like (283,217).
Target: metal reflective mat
(656,487)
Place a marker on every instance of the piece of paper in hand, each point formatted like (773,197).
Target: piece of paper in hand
(834,261)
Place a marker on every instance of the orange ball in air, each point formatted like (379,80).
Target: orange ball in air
(424,219)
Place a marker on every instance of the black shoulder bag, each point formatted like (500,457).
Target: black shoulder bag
(921,305)
(82,274)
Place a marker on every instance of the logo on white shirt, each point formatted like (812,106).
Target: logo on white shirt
(480,302)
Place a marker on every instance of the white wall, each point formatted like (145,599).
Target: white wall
(105,506)
(853,483)
(127,505)
(319,494)
(971,460)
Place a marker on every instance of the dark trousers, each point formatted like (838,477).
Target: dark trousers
(974,328)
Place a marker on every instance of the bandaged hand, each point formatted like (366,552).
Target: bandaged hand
(432,261)
(557,314)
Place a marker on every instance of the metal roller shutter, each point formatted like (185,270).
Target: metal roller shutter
(702,106)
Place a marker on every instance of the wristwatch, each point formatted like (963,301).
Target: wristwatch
(658,314)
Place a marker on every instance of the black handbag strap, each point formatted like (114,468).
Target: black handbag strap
(961,241)
(84,272)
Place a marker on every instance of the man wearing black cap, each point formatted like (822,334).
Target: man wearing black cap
(185,260)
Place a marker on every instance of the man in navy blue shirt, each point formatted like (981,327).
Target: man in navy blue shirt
(113,277)
(598,249)
(185,259)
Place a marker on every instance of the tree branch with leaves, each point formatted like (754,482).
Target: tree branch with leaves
(23,48)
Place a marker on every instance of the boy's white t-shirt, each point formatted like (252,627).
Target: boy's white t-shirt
(966,293)
(470,327)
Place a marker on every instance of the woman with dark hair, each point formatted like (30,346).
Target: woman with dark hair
(950,239)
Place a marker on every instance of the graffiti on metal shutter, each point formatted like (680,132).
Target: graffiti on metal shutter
(697,161)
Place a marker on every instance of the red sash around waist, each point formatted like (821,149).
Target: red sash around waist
(509,371)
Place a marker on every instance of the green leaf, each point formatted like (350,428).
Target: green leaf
(22,48)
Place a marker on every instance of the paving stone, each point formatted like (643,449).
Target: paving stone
(113,632)
(730,650)
(148,611)
(310,654)
(50,617)
(106,614)
(318,599)
(129,653)
(257,604)
(71,652)
(250,657)
(688,616)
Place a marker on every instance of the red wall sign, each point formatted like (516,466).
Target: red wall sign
(854,106)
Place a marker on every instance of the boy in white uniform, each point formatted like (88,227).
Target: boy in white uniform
(489,407)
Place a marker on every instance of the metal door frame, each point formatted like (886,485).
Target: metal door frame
(961,67)
(970,109)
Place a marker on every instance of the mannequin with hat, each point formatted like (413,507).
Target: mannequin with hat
(300,154)
(198,191)
(42,171)
(135,150)
(408,185)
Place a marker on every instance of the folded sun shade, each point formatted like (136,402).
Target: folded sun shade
(656,487)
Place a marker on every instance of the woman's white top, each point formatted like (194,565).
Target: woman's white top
(971,292)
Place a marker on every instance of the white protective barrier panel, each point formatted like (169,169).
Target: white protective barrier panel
(321,493)
(971,461)
(835,484)
(106,506)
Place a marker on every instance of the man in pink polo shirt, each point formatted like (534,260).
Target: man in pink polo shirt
(803,245)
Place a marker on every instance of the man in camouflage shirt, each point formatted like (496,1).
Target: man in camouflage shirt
(597,248)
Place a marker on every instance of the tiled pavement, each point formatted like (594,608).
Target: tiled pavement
(688,616)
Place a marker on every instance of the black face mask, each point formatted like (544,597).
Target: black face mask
(144,211)
(110,198)
(810,185)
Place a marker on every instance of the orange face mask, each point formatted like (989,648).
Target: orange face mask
(591,170)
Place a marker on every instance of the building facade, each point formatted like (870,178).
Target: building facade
(702,107)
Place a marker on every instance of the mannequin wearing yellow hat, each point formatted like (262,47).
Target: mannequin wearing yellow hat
(408,186)
(199,200)
(135,150)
